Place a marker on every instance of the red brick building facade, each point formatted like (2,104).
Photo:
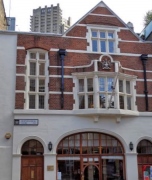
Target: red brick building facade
(93,81)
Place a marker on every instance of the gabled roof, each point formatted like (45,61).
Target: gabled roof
(101,3)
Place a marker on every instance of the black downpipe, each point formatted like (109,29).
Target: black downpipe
(62,53)
(144,58)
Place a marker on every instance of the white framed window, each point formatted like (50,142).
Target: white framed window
(85,94)
(105,91)
(103,41)
(125,95)
(37,79)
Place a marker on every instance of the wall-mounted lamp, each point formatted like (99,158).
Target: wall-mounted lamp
(50,146)
(131,146)
(8,135)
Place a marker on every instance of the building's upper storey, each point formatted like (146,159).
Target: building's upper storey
(94,68)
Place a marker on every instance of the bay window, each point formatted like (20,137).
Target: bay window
(105,91)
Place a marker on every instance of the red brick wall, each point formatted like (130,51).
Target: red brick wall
(127,35)
(140,87)
(20,83)
(48,42)
(80,59)
(55,102)
(135,48)
(21,54)
(102,20)
(20,69)
(19,101)
(140,101)
(20,80)
(78,31)
(101,10)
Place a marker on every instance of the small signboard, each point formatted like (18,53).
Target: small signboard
(50,168)
(26,122)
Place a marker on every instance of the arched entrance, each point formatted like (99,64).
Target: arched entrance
(90,156)
(144,150)
(32,161)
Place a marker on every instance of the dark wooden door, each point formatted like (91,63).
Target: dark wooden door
(32,168)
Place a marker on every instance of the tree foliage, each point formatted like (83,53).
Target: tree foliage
(148,18)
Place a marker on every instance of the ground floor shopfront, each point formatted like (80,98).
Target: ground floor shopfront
(90,156)
(98,152)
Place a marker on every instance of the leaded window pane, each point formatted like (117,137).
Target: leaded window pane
(42,56)
(81,102)
(110,35)
(121,102)
(81,85)
(41,68)
(33,55)
(90,84)
(94,45)
(110,84)
(111,46)
(111,101)
(32,85)
(101,84)
(41,101)
(103,46)
(41,85)
(120,86)
(102,35)
(32,68)
(94,33)
(31,101)
(129,103)
(90,101)
(102,101)
(128,87)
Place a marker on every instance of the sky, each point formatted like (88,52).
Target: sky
(128,10)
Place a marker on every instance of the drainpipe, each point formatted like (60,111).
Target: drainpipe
(144,58)
(62,53)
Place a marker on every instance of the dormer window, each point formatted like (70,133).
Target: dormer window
(103,41)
